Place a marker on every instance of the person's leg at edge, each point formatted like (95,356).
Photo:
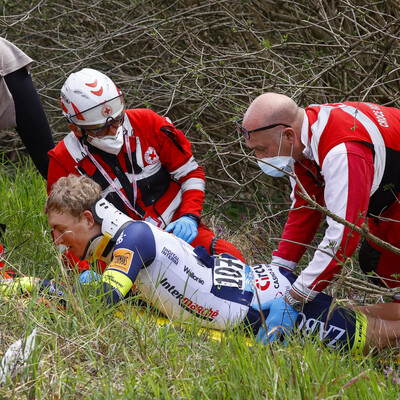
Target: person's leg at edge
(382,325)
(382,333)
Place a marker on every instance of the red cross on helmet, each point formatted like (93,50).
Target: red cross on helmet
(88,97)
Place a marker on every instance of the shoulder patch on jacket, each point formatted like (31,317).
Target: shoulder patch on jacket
(151,156)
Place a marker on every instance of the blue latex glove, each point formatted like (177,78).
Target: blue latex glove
(89,276)
(280,315)
(184,228)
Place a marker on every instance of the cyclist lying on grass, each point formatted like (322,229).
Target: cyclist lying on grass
(182,282)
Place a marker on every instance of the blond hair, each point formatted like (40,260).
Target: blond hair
(73,194)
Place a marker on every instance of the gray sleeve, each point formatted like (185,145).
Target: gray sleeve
(12,58)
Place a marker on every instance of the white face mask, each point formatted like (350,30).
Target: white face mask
(109,144)
(282,162)
(285,163)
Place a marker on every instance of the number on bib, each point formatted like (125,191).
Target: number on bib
(229,272)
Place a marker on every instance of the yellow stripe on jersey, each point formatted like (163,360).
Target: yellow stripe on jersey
(118,280)
(360,335)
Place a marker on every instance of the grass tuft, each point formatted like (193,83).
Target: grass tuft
(87,353)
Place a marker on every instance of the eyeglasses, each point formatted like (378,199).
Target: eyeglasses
(103,130)
(246,134)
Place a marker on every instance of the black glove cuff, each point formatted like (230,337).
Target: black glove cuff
(193,216)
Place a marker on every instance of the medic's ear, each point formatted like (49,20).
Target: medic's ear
(290,134)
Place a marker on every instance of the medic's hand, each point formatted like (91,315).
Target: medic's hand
(89,276)
(281,318)
(9,287)
(184,228)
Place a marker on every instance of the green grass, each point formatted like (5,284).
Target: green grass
(86,352)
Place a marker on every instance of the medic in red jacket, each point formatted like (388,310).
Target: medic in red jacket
(347,157)
(142,162)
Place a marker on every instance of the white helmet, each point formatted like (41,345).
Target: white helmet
(88,97)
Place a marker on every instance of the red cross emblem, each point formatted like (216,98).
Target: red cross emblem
(106,110)
(151,156)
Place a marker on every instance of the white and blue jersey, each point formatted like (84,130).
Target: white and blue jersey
(182,282)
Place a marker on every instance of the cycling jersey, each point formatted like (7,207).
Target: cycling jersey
(182,283)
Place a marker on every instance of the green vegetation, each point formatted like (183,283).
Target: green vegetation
(200,63)
(85,352)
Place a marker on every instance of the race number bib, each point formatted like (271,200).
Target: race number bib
(229,272)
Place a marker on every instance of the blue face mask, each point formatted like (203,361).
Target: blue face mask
(282,162)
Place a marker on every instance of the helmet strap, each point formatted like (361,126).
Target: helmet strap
(84,136)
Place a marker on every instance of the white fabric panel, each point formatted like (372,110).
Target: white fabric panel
(377,140)
(336,171)
(74,147)
(193,183)
(182,171)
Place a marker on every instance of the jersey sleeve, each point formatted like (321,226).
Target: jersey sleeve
(303,221)
(348,171)
(135,249)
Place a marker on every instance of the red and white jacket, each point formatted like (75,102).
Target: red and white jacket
(169,181)
(352,166)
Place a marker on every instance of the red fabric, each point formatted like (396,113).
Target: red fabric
(303,221)
(79,265)
(205,237)
(345,146)
(1,256)
(387,228)
(342,127)
(146,126)
(147,129)
(361,169)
